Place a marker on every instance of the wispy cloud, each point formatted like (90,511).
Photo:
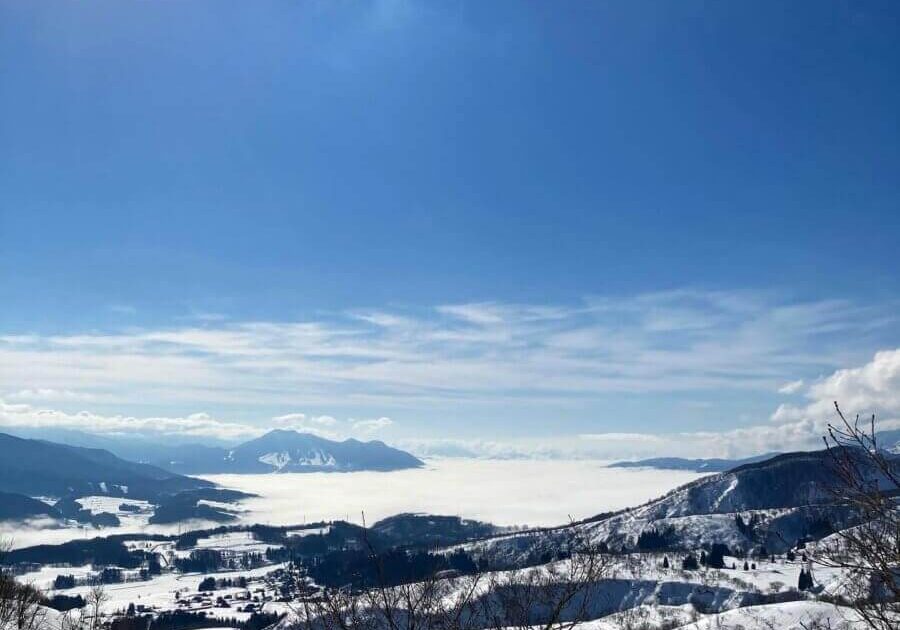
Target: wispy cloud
(873,387)
(674,341)
(791,388)
(492,354)
(46,394)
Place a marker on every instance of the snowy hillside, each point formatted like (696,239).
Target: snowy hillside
(771,504)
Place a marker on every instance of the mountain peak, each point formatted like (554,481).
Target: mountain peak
(287,450)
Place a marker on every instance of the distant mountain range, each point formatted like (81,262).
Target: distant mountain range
(290,451)
(276,451)
(887,440)
(41,468)
(133,447)
(693,465)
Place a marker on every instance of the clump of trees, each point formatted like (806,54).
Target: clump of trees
(654,540)
(394,567)
(207,584)
(200,561)
(65,603)
(805,581)
(715,559)
(63,582)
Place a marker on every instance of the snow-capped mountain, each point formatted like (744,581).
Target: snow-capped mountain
(290,451)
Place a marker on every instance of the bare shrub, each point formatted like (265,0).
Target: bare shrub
(555,596)
(869,484)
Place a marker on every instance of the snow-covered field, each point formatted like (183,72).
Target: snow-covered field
(98,504)
(236,542)
(162,592)
(800,615)
(788,616)
(502,492)
(48,532)
(44,577)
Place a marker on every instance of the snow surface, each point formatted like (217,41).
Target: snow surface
(786,616)
(276,460)
(309,531)
(44,577)
(234,541)
(160,591)
(98,504)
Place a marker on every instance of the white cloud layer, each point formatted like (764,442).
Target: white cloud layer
(196,424)
(871,388)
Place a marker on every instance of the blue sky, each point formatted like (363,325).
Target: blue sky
(482,221)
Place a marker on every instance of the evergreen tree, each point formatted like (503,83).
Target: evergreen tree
(746,566)
(716,557)
(64,581)
(665,562)
(689,563)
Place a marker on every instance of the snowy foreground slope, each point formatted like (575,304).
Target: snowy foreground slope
(639,592)
(788,616)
